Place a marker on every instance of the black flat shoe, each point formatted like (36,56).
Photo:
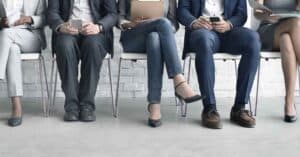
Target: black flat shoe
(87,116)
(71,116)
(14,121)
(153,123)
(192,99)
(290,119)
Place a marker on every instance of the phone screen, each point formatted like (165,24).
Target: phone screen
(214,19)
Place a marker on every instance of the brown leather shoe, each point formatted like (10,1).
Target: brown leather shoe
(243,118)
(211,119)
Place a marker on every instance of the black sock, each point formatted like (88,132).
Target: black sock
(238,107)
(209,107)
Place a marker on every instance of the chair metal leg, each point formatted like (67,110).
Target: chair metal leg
(257,88)
(42,87)
(47,85)
(189,70)
(111,87)
(52,75)
(55,72)
(117,92)
(298,79)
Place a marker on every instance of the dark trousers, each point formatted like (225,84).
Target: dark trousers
(156,38)
(239,41)
(70,50)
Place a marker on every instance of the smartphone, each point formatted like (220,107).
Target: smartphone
(77,24)
(215,19)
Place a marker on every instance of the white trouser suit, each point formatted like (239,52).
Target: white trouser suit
(17,40)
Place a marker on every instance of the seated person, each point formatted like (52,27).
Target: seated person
(21,31)
(283,35)
(88,44)
(156,38)
(225,33)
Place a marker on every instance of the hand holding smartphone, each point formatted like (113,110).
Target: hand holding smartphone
(76,24)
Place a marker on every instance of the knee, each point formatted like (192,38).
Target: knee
(164,24)
(251,40)
(63,42)
(295,23)
(285,43)
(203,39)
(6,33)
(153,40)
(92,47)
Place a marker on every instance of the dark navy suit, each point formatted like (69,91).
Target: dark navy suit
(238,41)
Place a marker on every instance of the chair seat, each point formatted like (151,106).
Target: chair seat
(270,55)
(30,56)
(219,56)
(133,56)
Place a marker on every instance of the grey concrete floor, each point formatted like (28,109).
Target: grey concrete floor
(129,135)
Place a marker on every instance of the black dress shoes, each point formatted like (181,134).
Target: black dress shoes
(87,115)
(71,116)
(14,121)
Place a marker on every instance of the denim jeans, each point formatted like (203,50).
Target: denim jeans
(239,41)
(156,39)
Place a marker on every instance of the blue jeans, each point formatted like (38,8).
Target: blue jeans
(156,39)
(239,41)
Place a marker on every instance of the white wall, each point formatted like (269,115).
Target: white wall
(133,81)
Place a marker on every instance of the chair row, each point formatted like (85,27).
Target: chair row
(48,98)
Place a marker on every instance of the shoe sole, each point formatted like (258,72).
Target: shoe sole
(213,126)
(241,123)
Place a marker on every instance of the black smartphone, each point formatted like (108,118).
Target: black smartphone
(214,19)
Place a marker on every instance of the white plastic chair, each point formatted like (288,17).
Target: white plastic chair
(54,75)
(133,57)
(38,57)
(127,56)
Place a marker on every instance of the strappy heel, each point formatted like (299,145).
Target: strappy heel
(192,99)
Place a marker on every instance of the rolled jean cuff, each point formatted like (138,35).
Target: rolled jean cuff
(154,96)
(174,73)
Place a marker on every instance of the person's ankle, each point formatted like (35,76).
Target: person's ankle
(209,107)
(154,111)
(238,107)
(17,113)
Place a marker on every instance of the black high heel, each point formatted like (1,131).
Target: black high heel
(290,119)
(153,123)
(192,99)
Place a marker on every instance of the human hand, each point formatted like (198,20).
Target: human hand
(90,29)
(202,22)
(3,22)
(23,20)
(68,29)
(221,26)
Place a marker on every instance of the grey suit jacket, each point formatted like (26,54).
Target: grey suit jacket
(104,12)
(36,9)
(124,11)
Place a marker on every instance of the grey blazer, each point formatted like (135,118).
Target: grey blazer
(124,11)
(36,9)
